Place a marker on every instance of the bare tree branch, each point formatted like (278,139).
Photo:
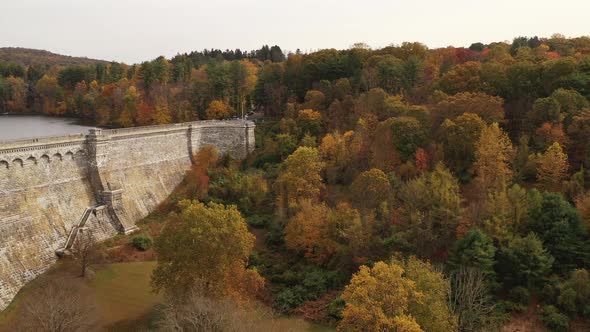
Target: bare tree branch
(470,301)
(198,312)
(86,250)
(63,305)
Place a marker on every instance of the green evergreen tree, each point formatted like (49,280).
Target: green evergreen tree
(558,224)
(475,250)
(524,261)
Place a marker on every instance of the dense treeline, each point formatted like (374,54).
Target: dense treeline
(370,165)
(198,85)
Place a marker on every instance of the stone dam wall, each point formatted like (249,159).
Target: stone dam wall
(47,183)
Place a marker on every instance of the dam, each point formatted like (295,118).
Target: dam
(106,179)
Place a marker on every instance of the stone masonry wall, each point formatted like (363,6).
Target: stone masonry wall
(47,183)
(147,167)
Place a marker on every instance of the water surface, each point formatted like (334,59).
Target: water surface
(26,126)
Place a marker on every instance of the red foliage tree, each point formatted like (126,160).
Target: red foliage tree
(422,160)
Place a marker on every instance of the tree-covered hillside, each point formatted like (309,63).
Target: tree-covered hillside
(27,57)
(395,189)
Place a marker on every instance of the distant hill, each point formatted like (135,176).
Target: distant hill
(27,57)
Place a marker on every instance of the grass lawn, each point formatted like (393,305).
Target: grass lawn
(123,293)
(125,301)
(296,324)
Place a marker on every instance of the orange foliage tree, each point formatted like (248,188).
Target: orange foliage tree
(218,110)
(307,232)
(548,134)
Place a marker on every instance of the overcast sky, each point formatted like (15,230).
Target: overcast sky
(136,30)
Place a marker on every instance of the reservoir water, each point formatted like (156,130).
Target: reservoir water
(26,126)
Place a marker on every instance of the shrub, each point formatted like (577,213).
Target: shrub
(254,259)
(275,236)
(250,191)
(265,158)
(550,290)
(519,299)
(141,242)
(289,298)
(567,300)
(554,319)
(304,285)
(257,221)
(289,278)
(316,284)
(335,308)
(108,243)
(520,295)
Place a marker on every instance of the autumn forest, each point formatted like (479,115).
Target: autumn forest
(395,189)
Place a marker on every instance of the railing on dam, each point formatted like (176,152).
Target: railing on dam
(175,126)
(42,140)
(9,146)
(5,144)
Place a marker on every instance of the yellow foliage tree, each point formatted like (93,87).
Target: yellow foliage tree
(432,312)
(48,89)
(370,188)
(337,151)
(376,296)
(243,78)
(248,83)
(406,323)
(347,229)
(431,210)
(497,210)
(300,179)
(206,246)
(552,168)
(309,121)
(397,296)
(161,114)
(18,94)
(125,119)
(493,153)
